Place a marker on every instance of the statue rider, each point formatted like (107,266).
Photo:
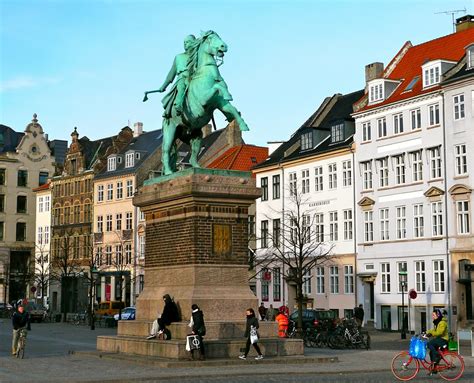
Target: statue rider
(180,71)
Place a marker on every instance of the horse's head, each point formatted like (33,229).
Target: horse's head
(214,45)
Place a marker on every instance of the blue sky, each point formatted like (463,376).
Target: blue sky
(87,63)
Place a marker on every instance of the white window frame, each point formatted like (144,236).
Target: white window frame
(319,227)
(332,173)
(111,163)
(110,192)
(384,224)
(318,178)
(337,133)
(46,235)
(436,168)
(130,159)
(307,282)
(401,218)
(398,123)
(437,228)
(100,224)
(293,180)
(418,221)
(460,155)
(333,226)
(417,165)
(128,220)
(367,183)
(347,173)
(369,226)
(400,173)
(459,107)
(415,118)
(40,205)
(348,279)
(100,193)
(320,288)
(47,203)
(385,277)
(348,223)
(129,188)
(305,188)
(439,277)
(383,172)
(433,114)
(119,190)
(382,127)
(402,267)
(366,132)
(420,276)
(334,279)
(306,141)
(463,217)
(108,222)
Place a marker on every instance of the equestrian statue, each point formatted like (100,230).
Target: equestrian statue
(197,91)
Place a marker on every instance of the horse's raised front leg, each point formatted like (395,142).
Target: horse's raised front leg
(195,149)
(169,130)
(231,113)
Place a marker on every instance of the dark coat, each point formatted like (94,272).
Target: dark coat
(20,320)
(198,323)
(170,313)
(251,321)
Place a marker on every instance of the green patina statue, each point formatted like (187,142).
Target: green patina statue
(197,91)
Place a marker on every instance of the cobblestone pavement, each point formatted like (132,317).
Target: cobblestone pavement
(60,352)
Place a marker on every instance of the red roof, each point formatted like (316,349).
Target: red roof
(450,47)
(242,157)
(42,187)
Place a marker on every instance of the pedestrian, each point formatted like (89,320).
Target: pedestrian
(198,328)
(20,322)
(359,315)
(262,311)
(283,322)
(170,314)
(251,327)
(270,314)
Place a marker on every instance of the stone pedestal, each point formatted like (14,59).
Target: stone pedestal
(197,252)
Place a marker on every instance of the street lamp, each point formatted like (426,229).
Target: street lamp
(403,282)
(94,273)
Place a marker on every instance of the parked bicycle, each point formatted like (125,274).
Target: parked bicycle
(20,351)
(450,367)
(347,335)
(80,318)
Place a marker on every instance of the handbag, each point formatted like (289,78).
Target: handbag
(193,342)
(417,348)
(253,335)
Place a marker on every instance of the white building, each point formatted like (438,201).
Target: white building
(401,184)
(318,162)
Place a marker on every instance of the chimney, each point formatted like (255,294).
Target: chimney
(464,22)
(137,129)
(373,71)
(206,130)
(233,134)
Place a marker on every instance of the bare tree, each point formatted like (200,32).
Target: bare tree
(42,277)
(294,244)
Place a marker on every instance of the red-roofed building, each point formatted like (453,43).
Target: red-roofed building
(404,211)
(242,157)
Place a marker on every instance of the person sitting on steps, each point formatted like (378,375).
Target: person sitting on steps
(170,314)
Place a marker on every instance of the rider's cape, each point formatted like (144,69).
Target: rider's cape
(168,100)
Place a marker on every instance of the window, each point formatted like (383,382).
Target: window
(129,188)
(141,283)
(43,178)
(46,235)
(307,141)
(264,234)
(21,204)
(347,173)
(366,132)
(318,178)
(108,255)
(385,272)
(276,233)
(251,224)
(119,190)
(129,160)
(108,222)
(110,192)
(75,247)
(118,255)
(420,276)
(334,279)
(438,276)
(40,236)
(22,179)
(305,181)
(399,169)
(402,268)
(293,185)
(435,162)
(368,226)
(418,221)
(87,212)
(320,280)
(417,166)
(100,193)
(431,76)
(40,204)
(460,154)
(129,220)
(433,113)
(276,284)
(77,214)
(111,163)
(401,222)
(470,57)
(337,133)
(415,119)
(2,176)
(367,175)
(264,186)
(307,282)
(319,226)
(347,215)
(462,213)
(398,123)
(47,203)
(376,92)
(265,285)
(21,231)
(384,224)
(118,221)
(382,127)
(128,253)
(2,228)
(437,219)
(276,186)
(333,226)
(306,226)
(2,203)
(458,103)
(332,170)
(348,279)
(383,172)
(100,224)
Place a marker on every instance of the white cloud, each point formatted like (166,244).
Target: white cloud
(21,82)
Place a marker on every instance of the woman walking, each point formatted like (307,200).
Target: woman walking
(251,335)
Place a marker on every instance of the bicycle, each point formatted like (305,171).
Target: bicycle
(450,367)
(20,351)
(80,318)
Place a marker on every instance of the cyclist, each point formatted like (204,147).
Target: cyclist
(439,337)
(20,321)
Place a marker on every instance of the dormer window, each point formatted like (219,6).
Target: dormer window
(130,160)
(376,92)
(470,56)
(307,141)
(431,76)
(433,70)
(111,163)
(337,133)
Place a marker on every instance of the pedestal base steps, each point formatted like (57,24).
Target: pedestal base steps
(222,340)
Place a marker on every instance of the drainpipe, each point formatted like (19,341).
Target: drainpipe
(283,229)
(354,226)
(446,236)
